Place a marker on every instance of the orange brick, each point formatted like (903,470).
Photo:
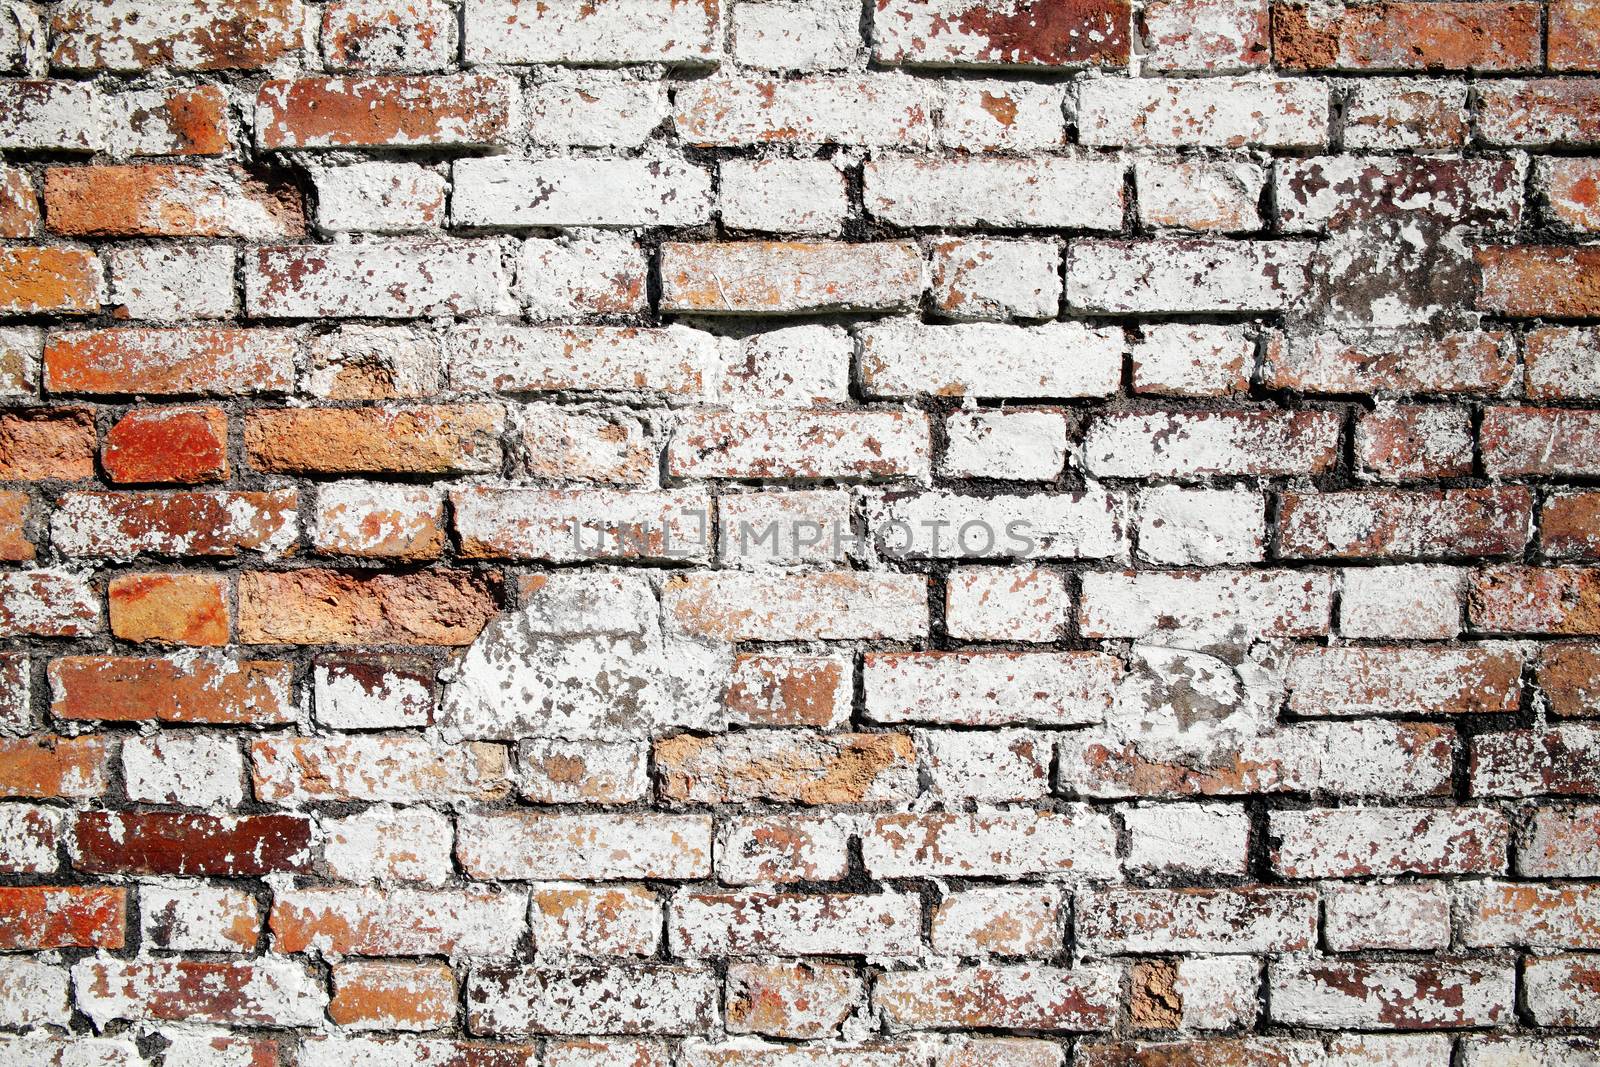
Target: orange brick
(180,609)
(38,280)
(1569,675)
(133,689)
(163,200)
(15,547)
(392,995)
(173,122)
(310,607)
(1529,281)
(1574,35)
(447,110)
(38,444)
(1407,35)
(214,361)
(49,917)
(168,445)
(426,439)
(54,767)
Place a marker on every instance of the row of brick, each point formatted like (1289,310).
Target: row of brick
(627,920)
(421,278)
(128,36)
(802,196)
(806,366)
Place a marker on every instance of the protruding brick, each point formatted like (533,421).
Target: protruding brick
(436,607)
(181,446)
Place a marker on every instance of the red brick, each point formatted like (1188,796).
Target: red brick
(135,35)
(1554,600)
(1560,761)
(1407,35)
(47,603)
(1569,525)
(15,545)
(179,121)
(392,995)
(181,609)
(49,917)
(160,200)
(196,523)
(311,607)
(36,444)
(262,992)
(220,691)
(1574,29)
(398,922)
(195,845)
(1425,524)
(181,446)
(433,439)
(1562,363)
(54,767)
(789,691)
(1404,681)
(988,33)
(1529,281)
(1358,842)
(1569,676)
(1547,111)
(1477,363)
(1000,997)
(218,361)
(447,111)
(1551,441)
(1415,443)
(19,207)
(1570,189)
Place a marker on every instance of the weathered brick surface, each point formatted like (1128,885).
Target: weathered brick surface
(792,533)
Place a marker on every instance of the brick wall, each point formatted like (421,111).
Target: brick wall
(792,533)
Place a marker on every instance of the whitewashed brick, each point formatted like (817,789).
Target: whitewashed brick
(1188,839)
(784,527)
(940,524)
(1179,359)
(192,917)
(796,34)
(582,275)
(595,109)
(29,834)
(1405,916)
(1006,604)
(556,771)
(1208,112)
(193,770)
(170,283)
(379,520)
(575,31)
(990,688)
(978,278)
(875,111)
(1010,444)
(805,196)
(986,765)
(1186,276)
(1047,192)
(501,191)
(1408,600)
(1204,196)
(803,366)
(32,993)
(386,844)
(372,692)
(1202,527)
(379,198)
(1065,359)
(995,116)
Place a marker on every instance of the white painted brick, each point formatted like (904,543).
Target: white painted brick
(379,198)
(875,111)
(783,848)
(509,192)
(1205,609)
(1217,992)
(1186,276)
(1006,604)
(1408,600)
(978,278)
(784,527)
(1010,444)
(379,520)
(1405,916)
(990,688)
(674,360)
(556,771)
(32,993)
(805,196)
(802,366)
(796,34)
(940,524)
(373,362)
(579,32)
(171,282)
(1179,359)
(386,844)
(1000,920)
(995,116)
(1202,527)
(985,765)
(1065,359)
(28,837)
(1188,839)
(372,693)
(1204,195)
(593,108)
(1048,192)
(190,769)
(581,275)
(197,917)
(1209,112)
